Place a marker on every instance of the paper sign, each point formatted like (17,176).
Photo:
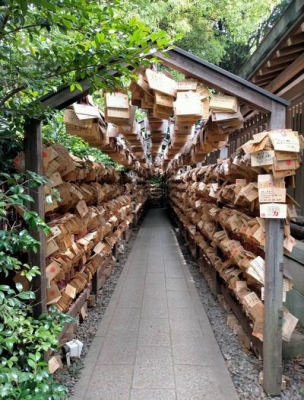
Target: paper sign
(84,111)
(258,329)
(258,137)
(160,82)
(289,243)
(56,179)
(285,165)
(283,173)
(272,195)
(51,247)
(241,182)
(257,269)
(250,192)
(259,236)
(46,157)
(99,248)
(70,291)
(83,313)
(82,208)
(261,158)
(55,231)
(53,365)
(53,167)
(285,141)
(52,270)
(251,299)
(240,285)
(289,324)
(53,294)
(163,100)
(285,155)
(117,100)
(274,210)
(267,180)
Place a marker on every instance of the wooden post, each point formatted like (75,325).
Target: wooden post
(272,343)
(33,162)
(115,251)
(95,284)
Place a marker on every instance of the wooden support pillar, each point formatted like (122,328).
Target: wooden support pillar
(115,251)
(33,162)
(135,221)
(272,343)
(124,235)
(95,287)
(197,252)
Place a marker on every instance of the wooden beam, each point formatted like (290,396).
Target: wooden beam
(281,60)
(33,162)
(272,348)
(219,79)
(285,51)
(295,39)
(275,68)
(294,89)
(261,80)
(286,75)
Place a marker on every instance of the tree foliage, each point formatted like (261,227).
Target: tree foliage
(237,53)
(44,44)
(209,28)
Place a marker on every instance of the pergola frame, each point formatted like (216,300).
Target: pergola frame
(226,82)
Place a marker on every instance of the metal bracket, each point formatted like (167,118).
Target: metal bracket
(281,266)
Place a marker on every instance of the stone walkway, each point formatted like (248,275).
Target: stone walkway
(155,341)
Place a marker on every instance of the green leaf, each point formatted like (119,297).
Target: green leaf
(31,363)
(4,288)
(9,343)
(19,287)
(26,295)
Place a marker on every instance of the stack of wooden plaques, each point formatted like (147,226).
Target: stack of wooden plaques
(222,207)
(88,122)
(95,209)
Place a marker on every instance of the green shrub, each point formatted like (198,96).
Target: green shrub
(24,341)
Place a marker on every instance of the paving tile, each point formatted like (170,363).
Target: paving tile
(154,332)
(155,269)
(130,299)
(178,284)
(155,290)
(125,319)
(158,277)
(192,348)
(174,272)
(179,299)
(153,394)
(110,382)
(119,348)
(134,285)
(154,308)
(197,383)
(137,271)
(183,319)
(153,368)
